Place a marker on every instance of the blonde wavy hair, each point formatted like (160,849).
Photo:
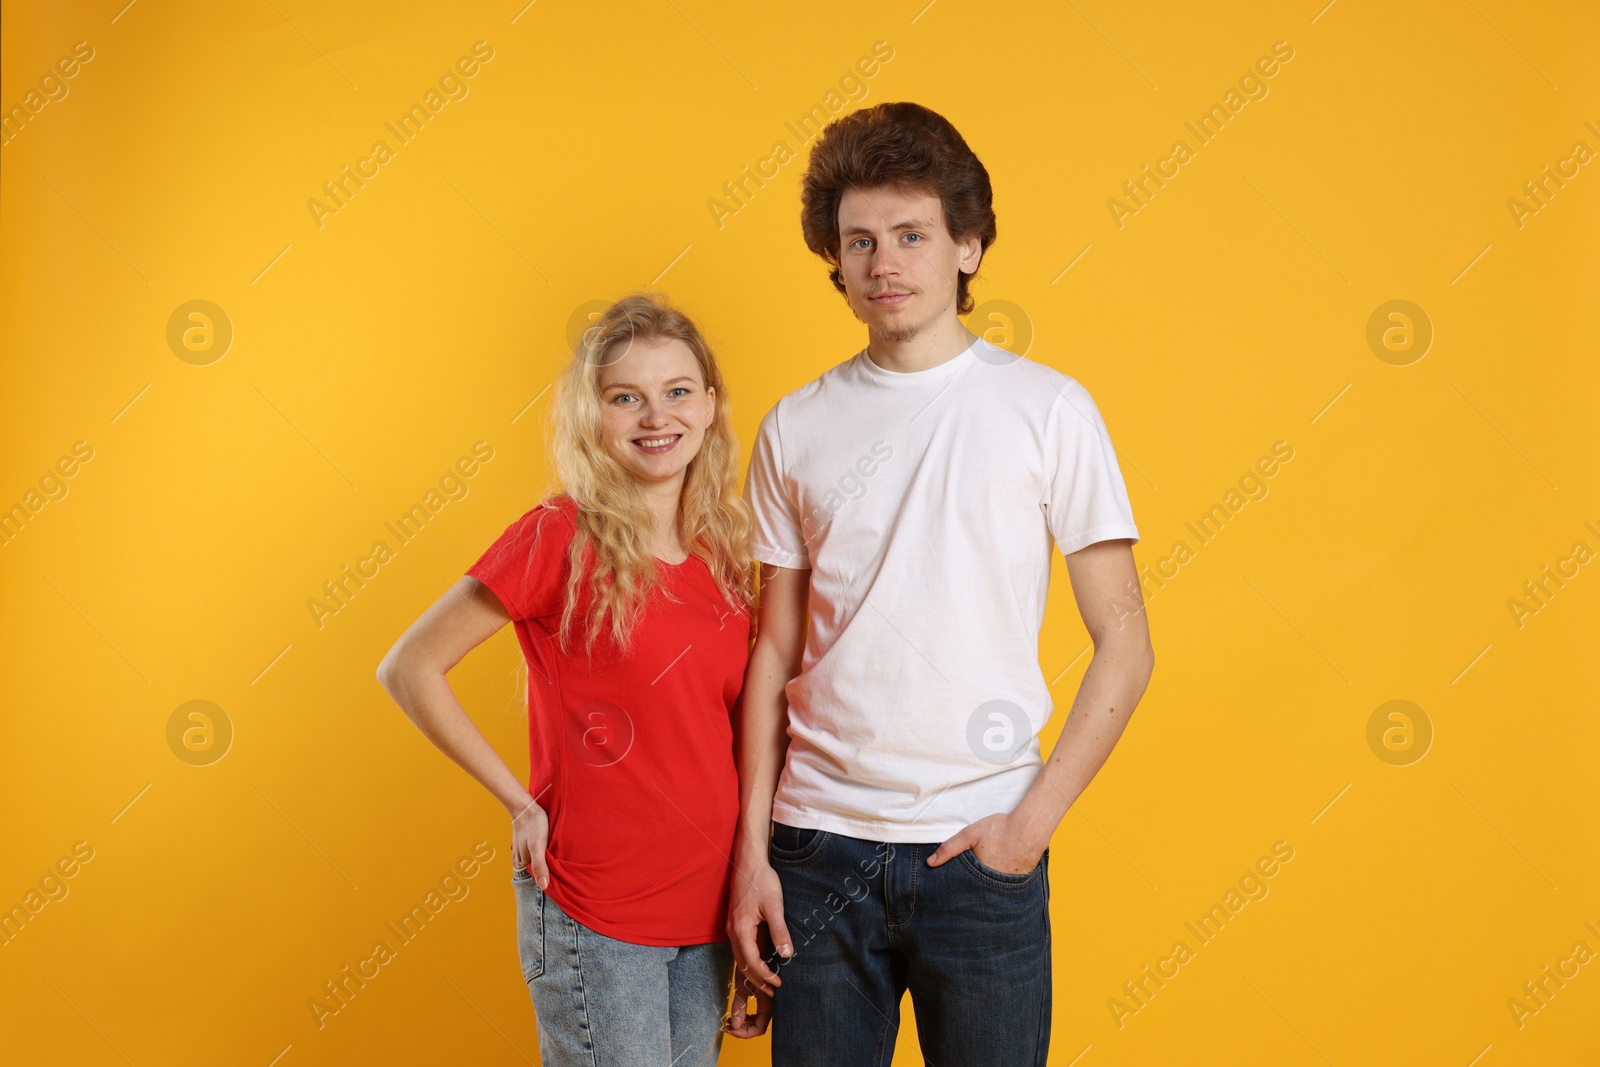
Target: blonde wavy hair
(615,525)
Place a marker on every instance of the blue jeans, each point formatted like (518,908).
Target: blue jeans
(870,920)
(601,1002)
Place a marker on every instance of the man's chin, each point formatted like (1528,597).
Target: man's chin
(897,334)
(889,327)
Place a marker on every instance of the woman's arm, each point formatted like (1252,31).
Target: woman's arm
(413,673)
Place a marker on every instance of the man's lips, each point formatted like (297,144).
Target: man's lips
(890,299)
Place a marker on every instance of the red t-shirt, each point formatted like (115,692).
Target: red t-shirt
(631,755)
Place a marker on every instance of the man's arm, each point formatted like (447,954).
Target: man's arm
(762,740)
(1105,584)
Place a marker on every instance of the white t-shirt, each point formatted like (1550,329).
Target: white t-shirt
(925,505)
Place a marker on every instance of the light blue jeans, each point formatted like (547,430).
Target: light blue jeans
(601,1002)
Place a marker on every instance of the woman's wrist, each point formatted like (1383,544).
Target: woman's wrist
(517,803)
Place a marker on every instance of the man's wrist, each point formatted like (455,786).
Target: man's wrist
(750,843)
(1036,821)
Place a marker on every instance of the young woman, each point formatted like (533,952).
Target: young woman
(630,589)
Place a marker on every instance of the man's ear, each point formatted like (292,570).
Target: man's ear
(971,254)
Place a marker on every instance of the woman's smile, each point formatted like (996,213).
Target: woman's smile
(659,444)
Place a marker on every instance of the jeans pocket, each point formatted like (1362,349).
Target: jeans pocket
(792,846)
(530,925)
(1003,879)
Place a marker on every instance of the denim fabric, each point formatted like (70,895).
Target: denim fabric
(870,920)
(601,1002)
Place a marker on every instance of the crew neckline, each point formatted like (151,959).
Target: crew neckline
(967,356)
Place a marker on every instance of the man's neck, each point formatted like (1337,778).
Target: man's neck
(932,346)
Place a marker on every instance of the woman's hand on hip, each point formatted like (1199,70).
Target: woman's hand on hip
(530,832)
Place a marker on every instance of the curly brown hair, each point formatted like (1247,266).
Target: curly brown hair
(904,145)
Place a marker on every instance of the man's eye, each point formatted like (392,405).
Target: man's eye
(918,236)
(860,241)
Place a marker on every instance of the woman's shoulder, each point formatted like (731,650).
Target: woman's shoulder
(546,527)
(560,504)
(556,512)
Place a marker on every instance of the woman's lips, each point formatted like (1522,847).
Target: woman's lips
(671,441)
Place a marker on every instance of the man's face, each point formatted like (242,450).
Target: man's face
(656,408)
(898,261)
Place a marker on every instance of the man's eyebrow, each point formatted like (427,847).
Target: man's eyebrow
(909,224)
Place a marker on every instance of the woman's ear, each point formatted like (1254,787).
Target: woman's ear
(711,391)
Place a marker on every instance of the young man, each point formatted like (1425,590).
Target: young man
(906,503)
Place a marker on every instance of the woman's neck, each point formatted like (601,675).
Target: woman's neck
(664,502)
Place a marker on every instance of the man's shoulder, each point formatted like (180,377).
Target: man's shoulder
(792,407)
(1024,373)
(841,375)
(1024,384)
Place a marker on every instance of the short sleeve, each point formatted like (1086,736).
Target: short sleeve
(771,496)
(527,564)
(1085,499)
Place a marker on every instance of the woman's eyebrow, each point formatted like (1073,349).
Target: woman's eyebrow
(627,385)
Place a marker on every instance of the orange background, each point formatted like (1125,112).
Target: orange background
(371,348)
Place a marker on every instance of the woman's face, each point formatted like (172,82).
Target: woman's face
(655,408)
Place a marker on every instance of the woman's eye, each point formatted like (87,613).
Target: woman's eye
(623,398)
(679,389)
